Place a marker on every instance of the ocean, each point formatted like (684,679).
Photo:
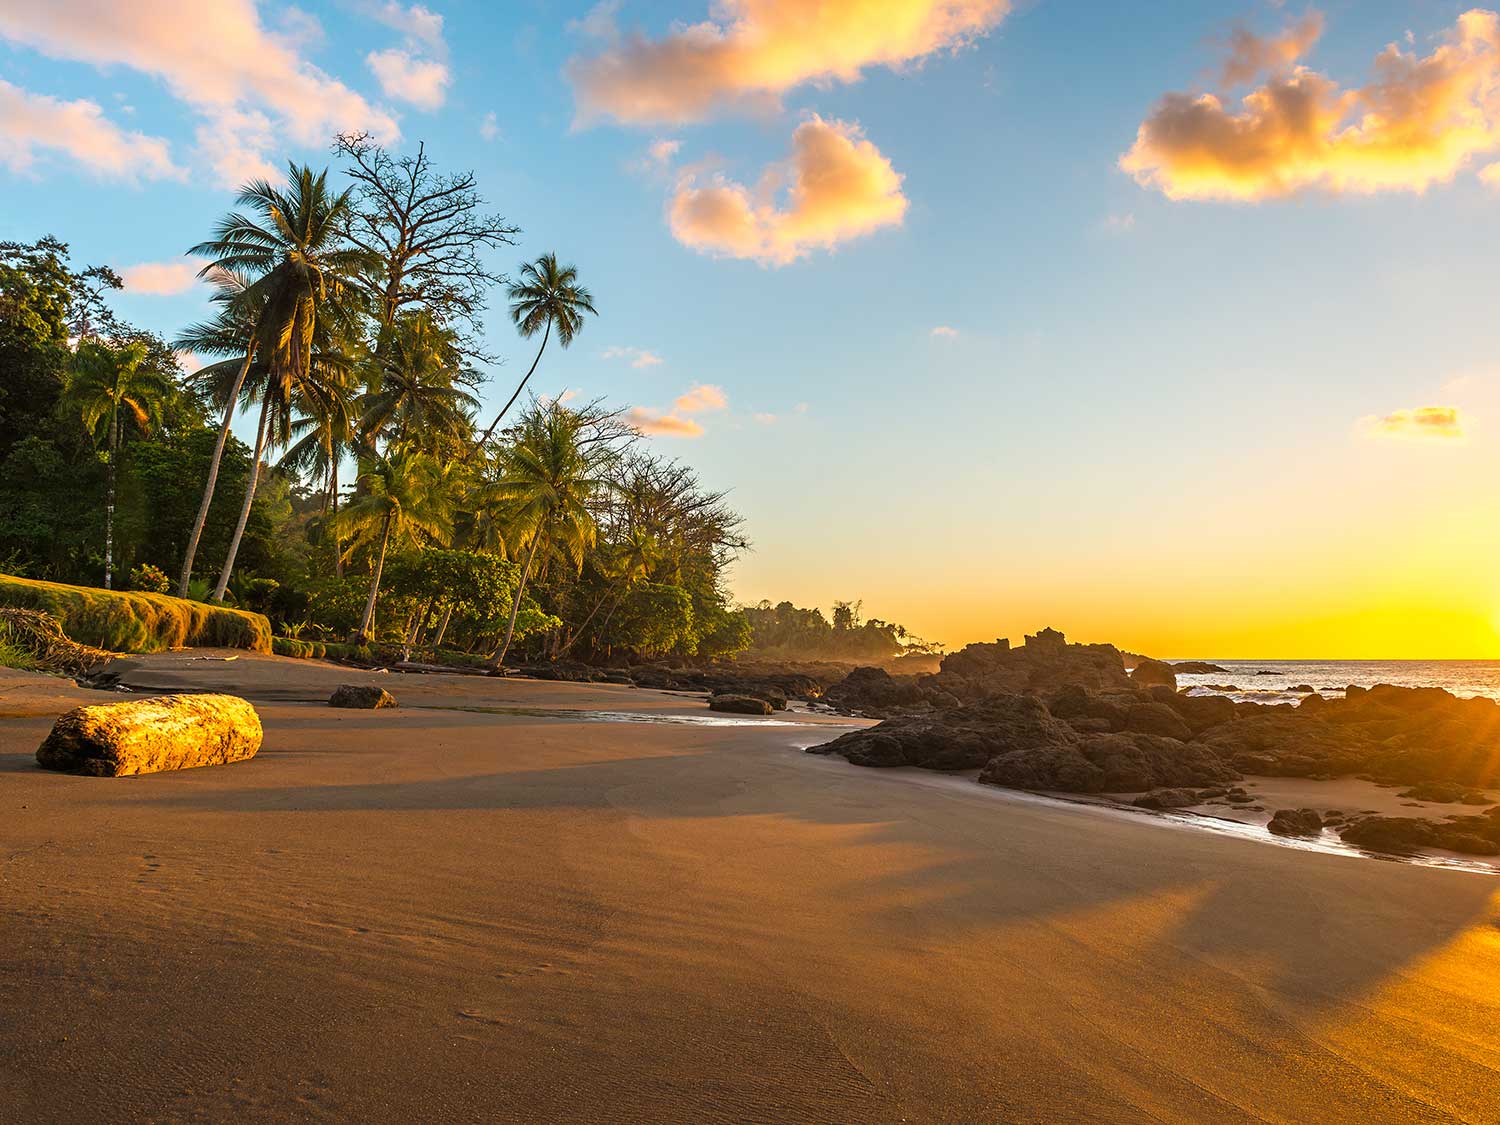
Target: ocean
(1269,681)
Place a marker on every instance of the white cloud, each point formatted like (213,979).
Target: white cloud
(1120,223)
(32,123)
(945,332)
(251,85)
(403,76)
(420,25)
(638,357)
(765,419)
(489,126)
(159,279)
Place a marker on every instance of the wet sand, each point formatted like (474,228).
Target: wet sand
(474,915)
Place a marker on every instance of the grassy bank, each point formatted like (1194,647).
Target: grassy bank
(127,621)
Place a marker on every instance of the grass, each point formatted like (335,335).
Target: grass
(129,621)
(14,656)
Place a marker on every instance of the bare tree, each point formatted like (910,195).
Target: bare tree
(427,228)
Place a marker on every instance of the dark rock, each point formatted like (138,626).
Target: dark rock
(1154,673)
(1302,689)
(961,738)
(1198,668)
(1445,793)
(1311,703)
(1397,834)
(1199,712)
(363,696)
(1296,822)
(1045,663)
(1168,799)
(874,691)
(1107,763)
(1156,718)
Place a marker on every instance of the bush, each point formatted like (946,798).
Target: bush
(150,579)
(128,621)
(302,650)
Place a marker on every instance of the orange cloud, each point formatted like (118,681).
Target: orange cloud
(32,122)
(1419,122)
(251,85)
(1425,423)
(160,279)
(700,398)
(1251,55)
(752,51)
(840,187)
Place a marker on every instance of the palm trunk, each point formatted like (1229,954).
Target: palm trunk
(338,545)
(239,528)
(368,623)
(490,432)
(443,628)
(498,660)
(213,477)
(109,503)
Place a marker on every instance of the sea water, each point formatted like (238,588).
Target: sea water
(1269,681)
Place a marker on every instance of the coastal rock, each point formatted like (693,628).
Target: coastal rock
(170,732)
(1302,689)
(1046,662)
(1397,834)
(1162,799)
(1296,822)
(1154,673)
(739,704)
(958,739)
(1107,763)
(873,691)
(1199,712)
(366,697)
(1446,793)
(1198,668)
(1156,718)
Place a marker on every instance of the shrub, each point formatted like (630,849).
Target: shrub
(302,650)
(150,579)
(130,621)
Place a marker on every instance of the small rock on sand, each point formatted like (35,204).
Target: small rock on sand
(170,732)
(1296,822)
(364,696)
(739,705)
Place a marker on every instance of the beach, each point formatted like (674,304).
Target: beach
(478,907)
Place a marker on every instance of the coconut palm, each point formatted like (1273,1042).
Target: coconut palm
(291,245)
(108,387)
(546,298)
(549,477)
(418,390)
(403,497)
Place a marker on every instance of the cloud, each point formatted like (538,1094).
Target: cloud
(489,126)
(160,279)
(1424,423)
(638,357)
(751,51)
(30,123)
(252,86)
(838,187)
(419,25)
(701,398)
(945,332)
(403,76)
(765,419)
(649,421)
(663,151)
(1251,55)
(1419,122)
(1122,223)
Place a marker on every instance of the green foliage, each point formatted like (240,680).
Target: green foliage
(656,618)
(134,622)
(788,632)
(723,632)
(149,579)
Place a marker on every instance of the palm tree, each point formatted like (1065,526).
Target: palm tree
(418,390)
(549,477)
(546,298)
(404,497)
(293,247)
(107,387)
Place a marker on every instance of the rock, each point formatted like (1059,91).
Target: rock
(1302,689)
(1397,834)
(874,691)
(1311,703)
(1469,844)
(1045,663)
(1107,763)
(1198,668)
(1154,673)
(1296,822)
(364,696)
(740,704)
(170,732)
(1156,718)
(1445,793)
(962,738)
(1168,799)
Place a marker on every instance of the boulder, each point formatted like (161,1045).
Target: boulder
(1198,668)
(1162,799)
(1156,718)
(874,690)
(1445,793)
(1154,673)
(740,704)
(170,732)
(1046,662)
(961,738)
(1296,822)
(1397,834)
(363,696)
(1107,763)
(1199,712)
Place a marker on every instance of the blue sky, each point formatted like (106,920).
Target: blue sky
(1153,419)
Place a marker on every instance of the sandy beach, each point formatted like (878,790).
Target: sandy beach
(450,913)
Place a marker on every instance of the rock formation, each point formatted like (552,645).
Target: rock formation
(364,696)
(170,732)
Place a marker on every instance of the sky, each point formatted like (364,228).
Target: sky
(1170,325)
